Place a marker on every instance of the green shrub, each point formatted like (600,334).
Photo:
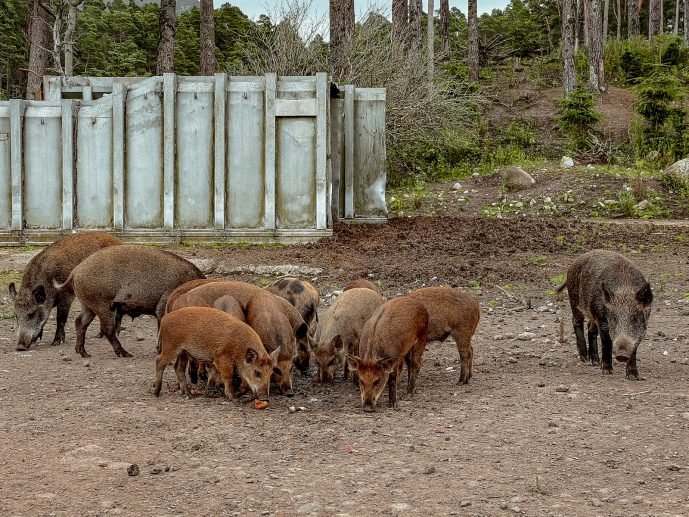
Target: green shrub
(578,117)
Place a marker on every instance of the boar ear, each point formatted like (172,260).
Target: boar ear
(386,363)
(353,361)
(607,293)
(338,344)
(251,355)
(313,343)
(302,331)
(12,290)
(39,294)
(645,296)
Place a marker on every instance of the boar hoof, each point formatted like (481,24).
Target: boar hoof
(606,368)
(123,353)
(368,409)
(632,374)
(595,360)
(21,348)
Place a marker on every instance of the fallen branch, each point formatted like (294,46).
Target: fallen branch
(634,394)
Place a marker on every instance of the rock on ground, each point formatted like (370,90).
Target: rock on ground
(516,178)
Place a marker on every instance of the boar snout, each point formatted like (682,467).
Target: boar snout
(623,348)
(288,393)
(368,408)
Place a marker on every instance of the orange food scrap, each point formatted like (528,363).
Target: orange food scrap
(260,404)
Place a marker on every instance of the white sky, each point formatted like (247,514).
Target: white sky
(254,8)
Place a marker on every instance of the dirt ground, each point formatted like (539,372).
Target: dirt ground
(535,432)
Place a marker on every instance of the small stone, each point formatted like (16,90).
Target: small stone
(517,499)
(561,389)
(464,504)
(643,205)
(457,186)
(516,178)
(525,336)
(308,508)
(515,509)
(399,507)
(596,503)
(512,360)
(566,162)
(292,409)
(504,505)
(87,364)
(674,468)
(541,384)
(273,476)
(429,470)
(139,337)
(133,469)
(67,359)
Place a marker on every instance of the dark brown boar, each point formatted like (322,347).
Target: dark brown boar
(124,280)
(305,298)
(451,313)
(611,293)
(275,320)
(395,334)
(212,336)
(362,283)
(37,295)
(340,329)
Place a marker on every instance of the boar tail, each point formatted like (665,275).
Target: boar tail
(561,288)
(66,285)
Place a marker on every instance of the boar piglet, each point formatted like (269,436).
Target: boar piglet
(452,313)
(340,329)
(305,298)
(395,334)
(37,295)
(124,280)
(611,293)
(361,283)
(212,336)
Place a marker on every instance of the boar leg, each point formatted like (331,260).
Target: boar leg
(193,371)
(82,323)
(578,322)
(606,345)
(393,381)
(108,324)
(466,356)
(593,343)
(225,367)
(63,304)
(414,366)
(161,363)
(632,371)
(181,372)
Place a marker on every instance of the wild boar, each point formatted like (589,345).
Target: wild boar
(276,321)
(212,336)
(37,295)
(451,313)
(362,283)
(305,298)
(395,334)
(609,291)
(340,329)
(124,280)
(185,288)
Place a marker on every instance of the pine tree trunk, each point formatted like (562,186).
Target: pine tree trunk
(431,41)
(606,10)
(595,48)
(69,36)
(472,59)
(587,16)
(654,18)
(167,26)
(675,22)
(415,32)
(577,18)
(39,43)
(341,28)
(400,19)
(569,79)
(209,63)
(445,29)
(633,23)
(686,23)
(619,19)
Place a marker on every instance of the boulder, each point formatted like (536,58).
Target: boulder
(678,172)
(516,178)
(566,162)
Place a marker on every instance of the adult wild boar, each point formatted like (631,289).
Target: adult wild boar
(395,334)
(611,293)
(340,329)
(37,295)
(452,313)
(212,336)
(124,280)
(305,298)
(362,283)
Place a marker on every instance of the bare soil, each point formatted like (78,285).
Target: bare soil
(535,432)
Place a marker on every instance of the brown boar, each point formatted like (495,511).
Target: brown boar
(124,280)
(185,288)
(339,331)
(277,322)
(395,334)
(362,283)
(37,295)
(451,313)
(305,298)
(212,336)
(610,292)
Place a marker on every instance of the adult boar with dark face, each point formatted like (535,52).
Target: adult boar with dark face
(37,296)
(611,293)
